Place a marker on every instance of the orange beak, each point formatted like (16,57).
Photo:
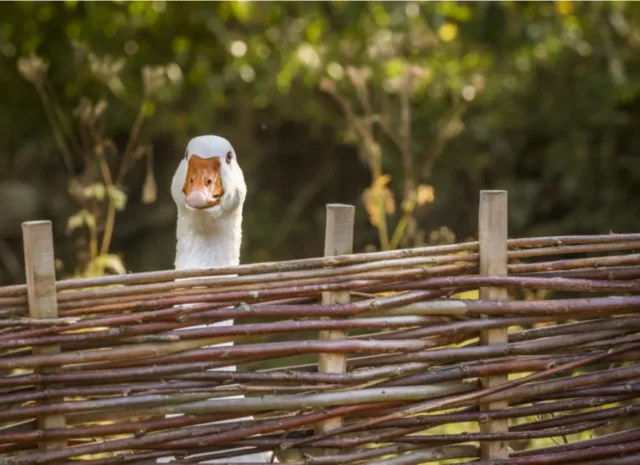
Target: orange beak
(203,186)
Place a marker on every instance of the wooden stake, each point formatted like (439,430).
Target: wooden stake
(338,241)
(492,234)
(41,293)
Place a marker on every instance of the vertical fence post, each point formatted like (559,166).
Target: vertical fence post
(41,293)
(492,232)
(338,241)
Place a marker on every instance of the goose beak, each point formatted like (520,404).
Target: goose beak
(203,185)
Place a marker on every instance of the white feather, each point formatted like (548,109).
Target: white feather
(212,237)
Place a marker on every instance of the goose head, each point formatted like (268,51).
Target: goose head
(209,181)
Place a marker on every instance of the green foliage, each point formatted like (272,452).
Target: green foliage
(95,167)
(443,98)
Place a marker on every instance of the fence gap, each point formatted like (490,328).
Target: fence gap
(492,233)
(41,294)
(338,241)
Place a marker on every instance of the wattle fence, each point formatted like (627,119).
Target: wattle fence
(499,351)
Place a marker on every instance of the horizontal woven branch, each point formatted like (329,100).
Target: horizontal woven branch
(139,349)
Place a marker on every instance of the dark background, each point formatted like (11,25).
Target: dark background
(405,110)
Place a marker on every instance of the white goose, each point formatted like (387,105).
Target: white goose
(209,190)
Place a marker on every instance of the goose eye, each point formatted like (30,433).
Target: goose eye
(229,157)
(186,154)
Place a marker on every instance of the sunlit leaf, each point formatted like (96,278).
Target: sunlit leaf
(314,31)
(148,109)
(378,199)
(80,219)
(100,108)
(426,194)
(110,262)
(448,32)
(286,75)
(335,71)
(181,44)
(153,78)
(395,67)
(241,10)
(117,197)
(94,191)
(33,68)
(74,222)
(380,15)
(564,7)
(468,295)
(105,67)
(382,181)
(454,10)
(150,187)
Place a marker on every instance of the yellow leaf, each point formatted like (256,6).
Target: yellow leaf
(371,206)
(389,201)
(395,67)
(382,180)
(149,188)
(32,68)
(100,108)
(94,191)
(426,194)
(409,204)
(117,197)
(448,32)
(74,222)
(468,295)
(564,7)
(148,108)
(153,78)
(79,219)
(378,199)
(103,263)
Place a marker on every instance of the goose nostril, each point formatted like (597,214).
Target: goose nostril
(209,182)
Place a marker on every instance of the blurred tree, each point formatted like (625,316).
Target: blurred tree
(96,169)
(405,108)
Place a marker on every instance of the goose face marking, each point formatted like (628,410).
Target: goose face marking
(203,184)
(209,180)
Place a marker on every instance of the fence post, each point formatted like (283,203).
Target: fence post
(492,233)
(41,293)
(338,241)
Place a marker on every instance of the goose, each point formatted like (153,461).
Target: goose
(209,190)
